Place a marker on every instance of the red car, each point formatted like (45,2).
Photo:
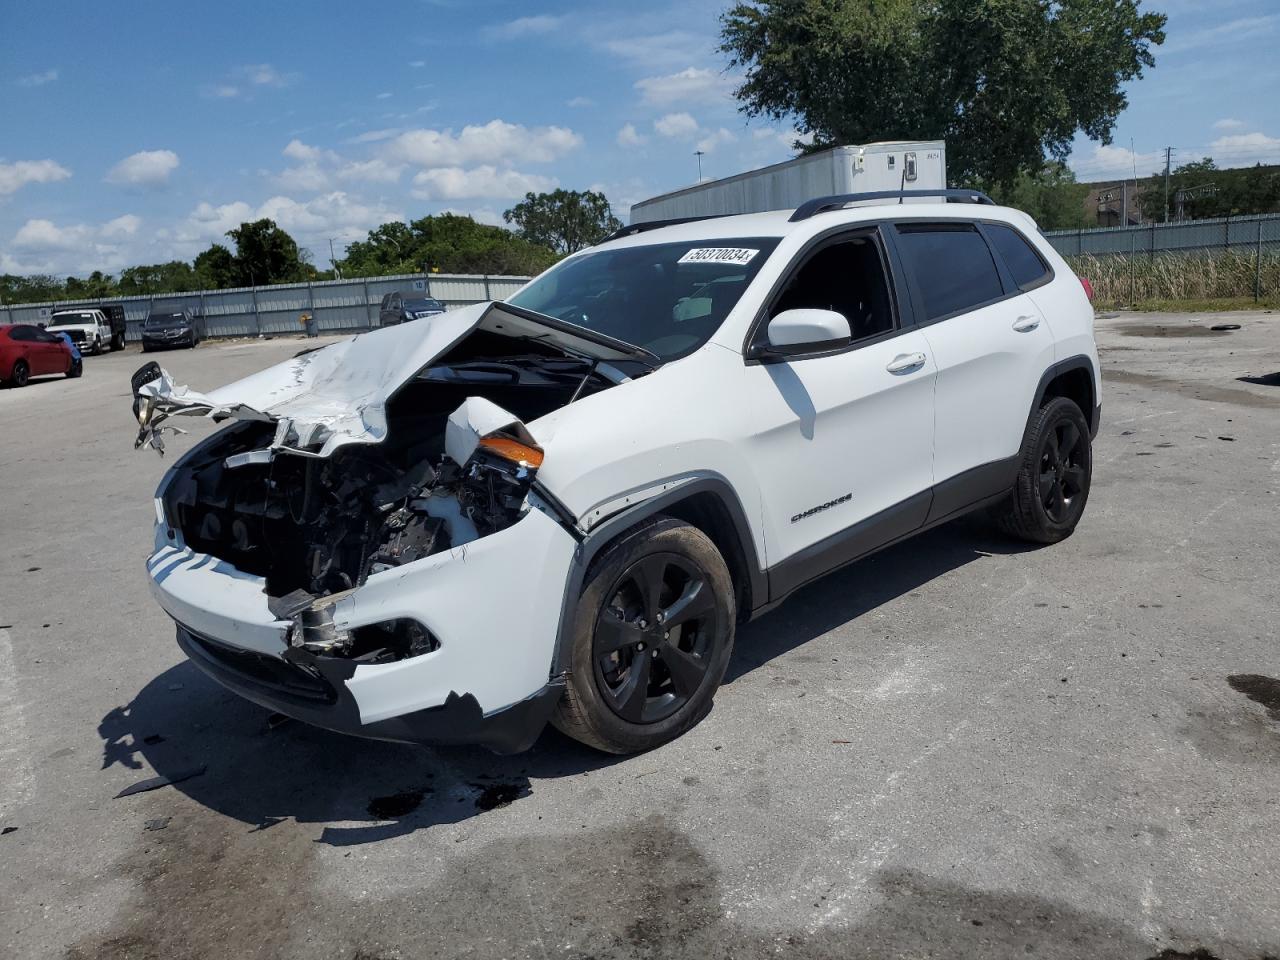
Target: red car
(27,351)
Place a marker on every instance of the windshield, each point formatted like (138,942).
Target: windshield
(414,305)
(59,319)
(666,297)
(166,320)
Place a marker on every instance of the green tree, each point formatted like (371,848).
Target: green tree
(1051,195)
(172,277)
(96,286)
(215,268)
(445,242)
(1004,82)
(1238,192)
(265,254)
(564,220)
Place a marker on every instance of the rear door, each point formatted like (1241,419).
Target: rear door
(991,345)
(843,439)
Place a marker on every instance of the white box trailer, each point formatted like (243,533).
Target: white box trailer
(904,165)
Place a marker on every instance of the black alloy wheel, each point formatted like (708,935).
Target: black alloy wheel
(654,638)
(1054,475)
(1062,470)
(21,374)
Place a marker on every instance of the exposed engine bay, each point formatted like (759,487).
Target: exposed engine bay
(456,464)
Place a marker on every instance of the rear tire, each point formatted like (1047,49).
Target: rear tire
(652,635)
(20,375)
(1054,476)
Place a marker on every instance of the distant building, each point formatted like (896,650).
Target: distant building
(1114,204)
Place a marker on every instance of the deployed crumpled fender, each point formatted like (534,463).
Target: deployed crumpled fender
(324,399)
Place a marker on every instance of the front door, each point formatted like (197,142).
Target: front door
(843,439)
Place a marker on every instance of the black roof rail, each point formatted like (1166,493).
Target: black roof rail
(632,229)
(821,204)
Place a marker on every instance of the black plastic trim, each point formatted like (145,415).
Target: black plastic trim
(459,720)
(863,538)
(974,487)
(635,228)
(608,530)
(1045,278)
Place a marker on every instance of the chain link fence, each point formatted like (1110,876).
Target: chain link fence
(1233,258)
(339,306)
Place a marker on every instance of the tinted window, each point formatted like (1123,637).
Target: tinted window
(1019,256)
(952,266)
(847,277)
(22,333)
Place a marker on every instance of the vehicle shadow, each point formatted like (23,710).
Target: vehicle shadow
(261,773)
(848,594)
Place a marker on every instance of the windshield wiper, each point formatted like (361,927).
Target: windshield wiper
(633,352)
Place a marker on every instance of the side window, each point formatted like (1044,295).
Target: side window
(847,276)
(386,301)
(1018,255)
(22,333)
(43,336)
(952,266)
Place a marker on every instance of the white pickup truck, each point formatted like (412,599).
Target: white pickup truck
(89,329)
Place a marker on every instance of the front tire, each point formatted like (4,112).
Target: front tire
(652,634)
(77,368)
(1054,476)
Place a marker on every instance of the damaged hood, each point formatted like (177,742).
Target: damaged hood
(326,398)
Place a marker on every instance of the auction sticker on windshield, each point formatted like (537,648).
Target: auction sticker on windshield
(737,256)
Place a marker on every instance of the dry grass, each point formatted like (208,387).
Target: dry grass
(1121,280)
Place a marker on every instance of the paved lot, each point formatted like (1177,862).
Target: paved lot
(955,749)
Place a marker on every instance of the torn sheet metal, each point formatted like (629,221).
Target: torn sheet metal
(476,419)
(324,399)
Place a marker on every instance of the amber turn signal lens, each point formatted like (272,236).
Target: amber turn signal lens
(513,450)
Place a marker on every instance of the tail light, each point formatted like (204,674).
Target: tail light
(1088,288)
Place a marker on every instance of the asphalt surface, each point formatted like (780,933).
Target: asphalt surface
(959,748)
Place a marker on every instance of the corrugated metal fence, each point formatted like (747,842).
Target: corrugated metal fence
(1260,233)
(338,305)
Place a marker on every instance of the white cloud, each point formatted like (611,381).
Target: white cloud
(676,125)
(1226,123)
(579,102)
(123,226)
(495,142)
(715,139)
(304,178)
(629,39)
(38,79)
(1245,149)
(417,63)
(691,85)
(628,137)
(46,247)
(295,149)
(385,95)
(242,80)
(1232,31)
(265,75)
(455,183)
(14,176)
(1109,161)
(376,170)
(373,136)
(147,168)
(318,168)
(336,214)
(524,27)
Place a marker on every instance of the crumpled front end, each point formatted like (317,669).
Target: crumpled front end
(405,583)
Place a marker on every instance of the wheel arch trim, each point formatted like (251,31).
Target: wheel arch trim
(608,530)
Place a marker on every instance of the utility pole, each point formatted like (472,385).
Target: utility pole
(333,261)
(1168,161)
(699,154)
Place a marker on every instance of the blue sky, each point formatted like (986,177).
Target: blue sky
(137,132)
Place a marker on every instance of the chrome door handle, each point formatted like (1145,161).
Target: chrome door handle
(1026,324)
(905,362)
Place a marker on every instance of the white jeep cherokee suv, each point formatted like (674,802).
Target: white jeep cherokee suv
(558,507)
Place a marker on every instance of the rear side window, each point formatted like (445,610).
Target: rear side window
(1019,256)
(22,333)
(952,266)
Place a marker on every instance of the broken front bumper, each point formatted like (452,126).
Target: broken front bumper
(493,604)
